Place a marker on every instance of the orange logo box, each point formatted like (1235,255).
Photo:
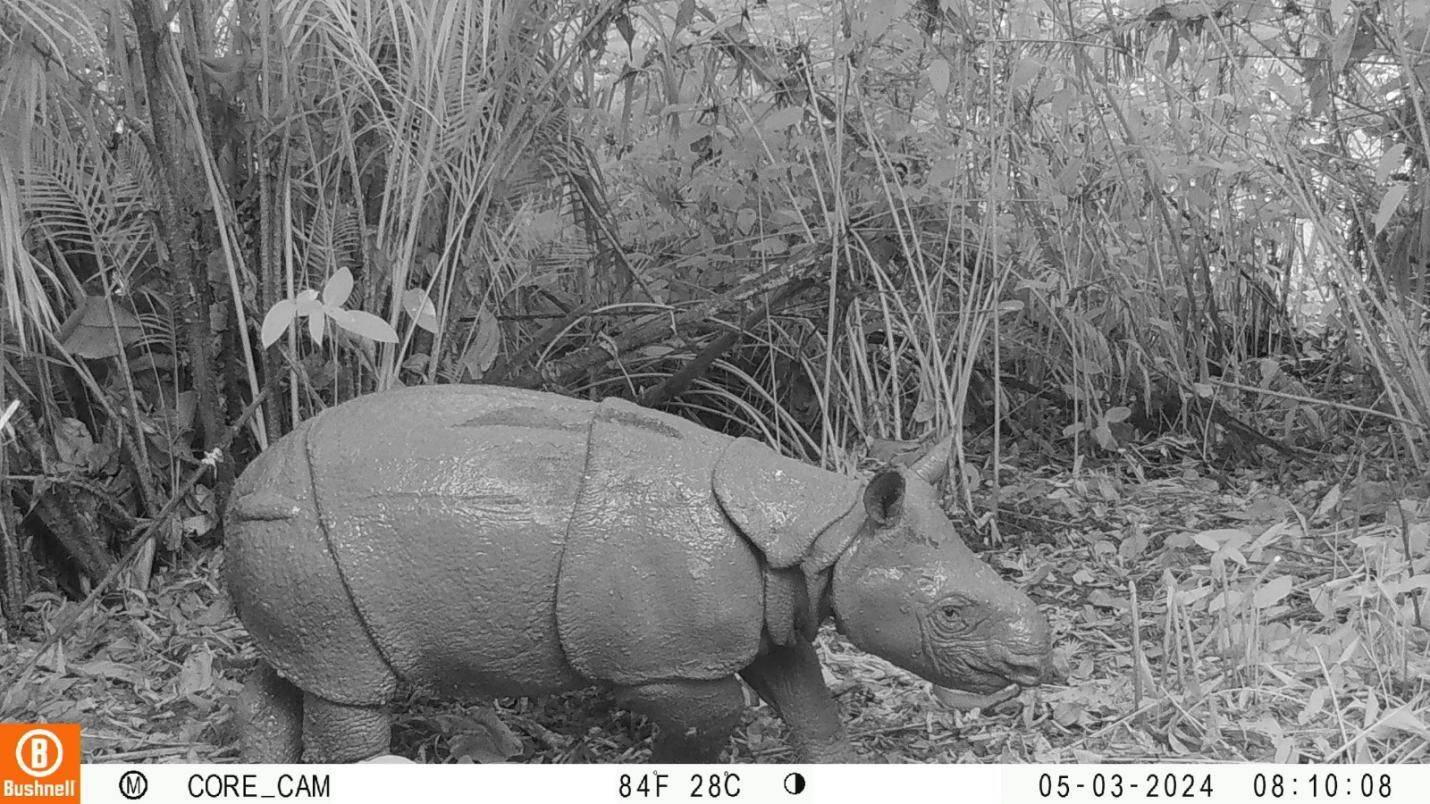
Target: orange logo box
(39,763)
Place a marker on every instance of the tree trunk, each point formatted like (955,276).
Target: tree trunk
(181,200)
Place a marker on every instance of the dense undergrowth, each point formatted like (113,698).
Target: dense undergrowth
(1160,268)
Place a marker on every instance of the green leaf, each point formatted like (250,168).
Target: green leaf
(1389,204)
(770,246)
(684,14)
(307,304)
(1328,503)
(1274,590)
(1174,49)
(315,327)
(484,739)
(1342,45)
(364,324)
(485,344)
(1117,414)
(339,287)
(1103,435)
(73,443)
(1024,73)
(416,304)
(277,320)
(625,28)
(1318,86)
(1393,158)
(1315,702)
(745,219)
(879,17)
(781,119)
(1217,539)
(939,74)
(88,332)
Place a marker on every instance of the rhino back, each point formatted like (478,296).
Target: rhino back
(446,508)
(285,585)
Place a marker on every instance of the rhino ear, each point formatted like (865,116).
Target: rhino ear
(884,498)
(934,464)
(779,504)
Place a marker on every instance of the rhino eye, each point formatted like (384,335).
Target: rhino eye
(953,615)
(954,611)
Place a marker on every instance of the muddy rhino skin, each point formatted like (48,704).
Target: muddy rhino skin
(481,541)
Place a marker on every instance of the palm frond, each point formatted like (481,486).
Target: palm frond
(85,203)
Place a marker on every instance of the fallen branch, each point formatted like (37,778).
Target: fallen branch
(675,384)
(500,372)
(569,370)
(1213,410)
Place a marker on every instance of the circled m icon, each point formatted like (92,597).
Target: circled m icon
(133,785)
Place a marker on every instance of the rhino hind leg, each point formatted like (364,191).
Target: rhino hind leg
(694,719)
(334,732)
(270,718)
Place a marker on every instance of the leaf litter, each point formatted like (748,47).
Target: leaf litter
(1274,622)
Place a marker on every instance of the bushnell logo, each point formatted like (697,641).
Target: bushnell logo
(39,763)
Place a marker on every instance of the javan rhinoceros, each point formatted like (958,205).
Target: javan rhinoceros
(484,541)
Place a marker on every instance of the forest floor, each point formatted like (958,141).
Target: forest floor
(1276,621)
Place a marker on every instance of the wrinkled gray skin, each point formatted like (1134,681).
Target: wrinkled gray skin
(480,541)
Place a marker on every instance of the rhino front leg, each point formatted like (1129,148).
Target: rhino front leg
(694,719)
(790,680)
(334,732)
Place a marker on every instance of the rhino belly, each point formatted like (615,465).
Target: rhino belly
(446,513)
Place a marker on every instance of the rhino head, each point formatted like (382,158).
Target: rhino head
(909,590)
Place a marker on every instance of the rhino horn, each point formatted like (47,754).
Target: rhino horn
(934,463)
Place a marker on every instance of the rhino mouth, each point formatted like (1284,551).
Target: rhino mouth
(1025,676)
(981,683)
(986,675)
(965,700)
